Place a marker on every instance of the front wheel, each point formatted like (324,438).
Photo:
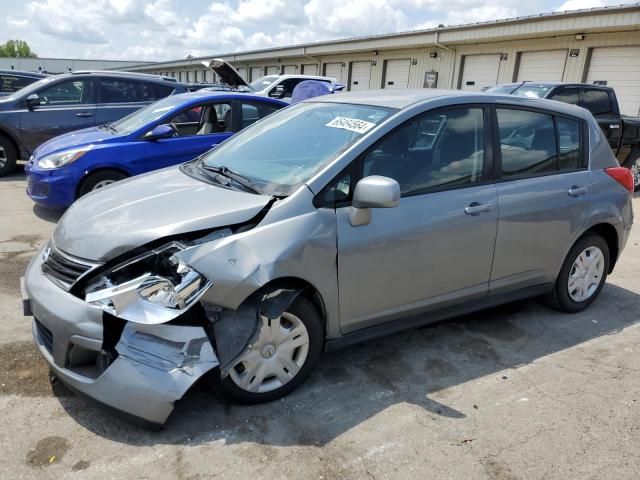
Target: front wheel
(582,275)
(99,179)
(287,350)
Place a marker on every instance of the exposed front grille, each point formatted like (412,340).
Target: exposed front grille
(63,269)
(46,337)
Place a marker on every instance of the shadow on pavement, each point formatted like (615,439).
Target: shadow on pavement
(47,214)
(354,384)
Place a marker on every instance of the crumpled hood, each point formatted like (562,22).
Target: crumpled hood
(131,213)
(79,138)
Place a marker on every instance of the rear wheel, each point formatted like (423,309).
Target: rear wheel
(97,180)
(582,275)
(287,350)
(8,156)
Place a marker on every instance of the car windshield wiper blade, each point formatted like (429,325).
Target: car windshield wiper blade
(108,126)
(236,177)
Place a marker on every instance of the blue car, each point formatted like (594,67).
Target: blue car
(171,131)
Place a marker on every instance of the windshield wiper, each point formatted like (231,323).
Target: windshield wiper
(108,126)
(236,177)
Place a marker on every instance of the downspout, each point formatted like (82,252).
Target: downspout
(317,60)
(452,50)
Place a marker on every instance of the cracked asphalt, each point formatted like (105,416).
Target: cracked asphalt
(516,392)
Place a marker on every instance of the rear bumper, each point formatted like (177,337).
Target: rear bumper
(154,367)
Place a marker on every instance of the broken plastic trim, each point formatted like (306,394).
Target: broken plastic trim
(196,237)
(235,331)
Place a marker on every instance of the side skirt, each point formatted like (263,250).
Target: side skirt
(427,318)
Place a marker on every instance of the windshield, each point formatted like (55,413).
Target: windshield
(285,149)
(146,115)
(504,89)
(263,82)
(29,89)
(532,91)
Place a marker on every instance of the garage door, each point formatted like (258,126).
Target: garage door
(310,69)
(620,68)
(544,66)
(360,75)
(256,73)
(290,69)
(334,70)
(242,72)
(480,71)
(396,73)
(273,70)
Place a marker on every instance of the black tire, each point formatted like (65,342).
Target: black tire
(560,298)
(93,179)
(11,156)
(633,163)
(308,314)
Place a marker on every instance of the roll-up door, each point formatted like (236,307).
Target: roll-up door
(290,69)
(479,71)
(620,68)
(396,73)
(256,73)
(360,75)
(273,70)
(544,66)
(334,70)
(310,69)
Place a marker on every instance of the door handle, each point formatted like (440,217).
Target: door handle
(84,114)
(577,191)
(475,208)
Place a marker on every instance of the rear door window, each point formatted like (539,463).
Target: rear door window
(527,142)
(566,95)
(253,111)
(115,90)
(569,144)
(153,91)
(597,101)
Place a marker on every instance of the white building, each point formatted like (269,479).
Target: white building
(600,44)
(61,65)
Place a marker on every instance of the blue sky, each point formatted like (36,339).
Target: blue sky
(172,29)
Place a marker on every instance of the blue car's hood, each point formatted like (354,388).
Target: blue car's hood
(77,139)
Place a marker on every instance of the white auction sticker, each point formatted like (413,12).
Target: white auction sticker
(352,124)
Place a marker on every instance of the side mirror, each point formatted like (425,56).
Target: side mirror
(33,100)
(373,192)
(277,92)
(161,131)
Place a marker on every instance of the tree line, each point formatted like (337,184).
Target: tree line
(16,49)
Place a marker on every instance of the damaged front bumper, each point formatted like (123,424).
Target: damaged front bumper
(155,364)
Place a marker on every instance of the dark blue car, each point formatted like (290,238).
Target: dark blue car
(168,132)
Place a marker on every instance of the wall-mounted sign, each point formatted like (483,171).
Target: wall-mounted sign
(574,52)
(430,79)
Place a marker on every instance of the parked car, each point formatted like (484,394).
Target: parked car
(274,86)
(622,131)
(62,103)
(332,221)
(13,80)
(170,131)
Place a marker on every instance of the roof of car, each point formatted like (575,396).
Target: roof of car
(401,99)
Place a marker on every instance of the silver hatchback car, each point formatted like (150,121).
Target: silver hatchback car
(330,222)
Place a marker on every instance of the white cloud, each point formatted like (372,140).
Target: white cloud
(169,29)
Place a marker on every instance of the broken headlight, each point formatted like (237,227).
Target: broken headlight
(152,288)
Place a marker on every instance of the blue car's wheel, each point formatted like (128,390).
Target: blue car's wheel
(99,179)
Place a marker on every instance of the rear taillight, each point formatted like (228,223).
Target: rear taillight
(621,175)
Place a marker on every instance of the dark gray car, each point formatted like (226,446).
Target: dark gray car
(332,221)
(62,103)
